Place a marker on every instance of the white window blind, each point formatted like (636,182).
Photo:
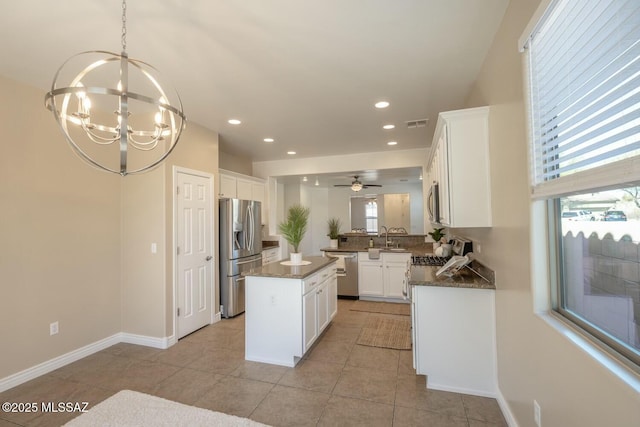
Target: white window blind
(585,93)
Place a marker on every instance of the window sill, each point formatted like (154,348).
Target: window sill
(616,367)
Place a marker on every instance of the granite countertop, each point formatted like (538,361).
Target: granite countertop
(417,250)
(465,278)
(276,269)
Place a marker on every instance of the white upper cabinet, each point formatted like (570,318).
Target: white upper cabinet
(235,186)
(245,189)
(459,164)
(228,187)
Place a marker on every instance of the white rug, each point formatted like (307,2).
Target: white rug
(130,408)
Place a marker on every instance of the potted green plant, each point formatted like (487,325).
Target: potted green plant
(437,235)
(334,231)
(294,228)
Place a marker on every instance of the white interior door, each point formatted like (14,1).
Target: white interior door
(194,222)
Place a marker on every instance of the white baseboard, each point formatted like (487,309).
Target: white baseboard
(162,343)
(461,390)
(65,359)
(506,410)
(57,362)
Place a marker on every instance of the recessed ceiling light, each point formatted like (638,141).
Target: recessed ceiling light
(392,143)
(291,153)
(234,121)
(382,104)
(268,140)
(388,127)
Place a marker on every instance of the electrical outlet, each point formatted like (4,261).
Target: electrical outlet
(53,328)
(536,413)
(478,247)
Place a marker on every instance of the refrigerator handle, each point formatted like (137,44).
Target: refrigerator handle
(249,225)
(253,230)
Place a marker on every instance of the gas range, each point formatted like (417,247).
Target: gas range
(459,247)
(429,260)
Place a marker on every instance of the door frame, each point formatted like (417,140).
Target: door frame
(174,250)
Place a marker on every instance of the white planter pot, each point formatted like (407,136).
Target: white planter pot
(296,257)
(333,243)
(446,249)
(436,245)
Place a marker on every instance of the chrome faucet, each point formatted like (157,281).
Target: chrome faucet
(386,236)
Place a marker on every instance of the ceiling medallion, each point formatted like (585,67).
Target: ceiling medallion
(113,105)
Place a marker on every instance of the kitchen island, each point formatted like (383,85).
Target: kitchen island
(287,308)
(453,326)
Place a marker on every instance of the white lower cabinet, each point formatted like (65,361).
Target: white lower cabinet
(284,317)
(320,305)
(454,339)
(370,278)
(270,255)
(309,316)
(383,278)
(394,271)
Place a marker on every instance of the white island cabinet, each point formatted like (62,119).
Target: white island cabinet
(287,308)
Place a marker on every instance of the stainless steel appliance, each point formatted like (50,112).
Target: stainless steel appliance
(347,272)
(433,203)
(429,260)
(240,250)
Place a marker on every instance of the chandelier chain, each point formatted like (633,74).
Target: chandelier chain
(124,25)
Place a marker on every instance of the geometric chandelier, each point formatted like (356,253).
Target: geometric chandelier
(114,112)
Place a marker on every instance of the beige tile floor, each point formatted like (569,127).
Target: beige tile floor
(338,383)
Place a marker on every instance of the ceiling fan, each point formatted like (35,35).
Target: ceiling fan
(356,185)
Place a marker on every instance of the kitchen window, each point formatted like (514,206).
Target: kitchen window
(371,216)
(584,92)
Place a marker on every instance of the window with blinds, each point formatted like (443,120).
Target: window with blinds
(584,93)
(584,88)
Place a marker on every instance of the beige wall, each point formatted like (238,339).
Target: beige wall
(534,360)
(76,242)
(198,150)
(60,234)
(234,163)
(148,211)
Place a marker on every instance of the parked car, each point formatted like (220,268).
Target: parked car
(588,215)
(572,215)
(615,216)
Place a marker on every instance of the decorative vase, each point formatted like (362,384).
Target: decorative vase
(436,245)
(333,243)
(446,249)
(296,257)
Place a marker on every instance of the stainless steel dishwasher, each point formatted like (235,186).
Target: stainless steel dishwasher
(347,266)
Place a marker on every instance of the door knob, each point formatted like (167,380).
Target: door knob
(209,258)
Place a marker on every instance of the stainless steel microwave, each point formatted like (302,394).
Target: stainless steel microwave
(433,203)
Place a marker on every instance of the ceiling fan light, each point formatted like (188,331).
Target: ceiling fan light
(356,186)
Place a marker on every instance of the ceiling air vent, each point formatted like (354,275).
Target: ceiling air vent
(417,123)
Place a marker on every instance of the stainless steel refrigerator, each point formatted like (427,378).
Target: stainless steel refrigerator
(240,250)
